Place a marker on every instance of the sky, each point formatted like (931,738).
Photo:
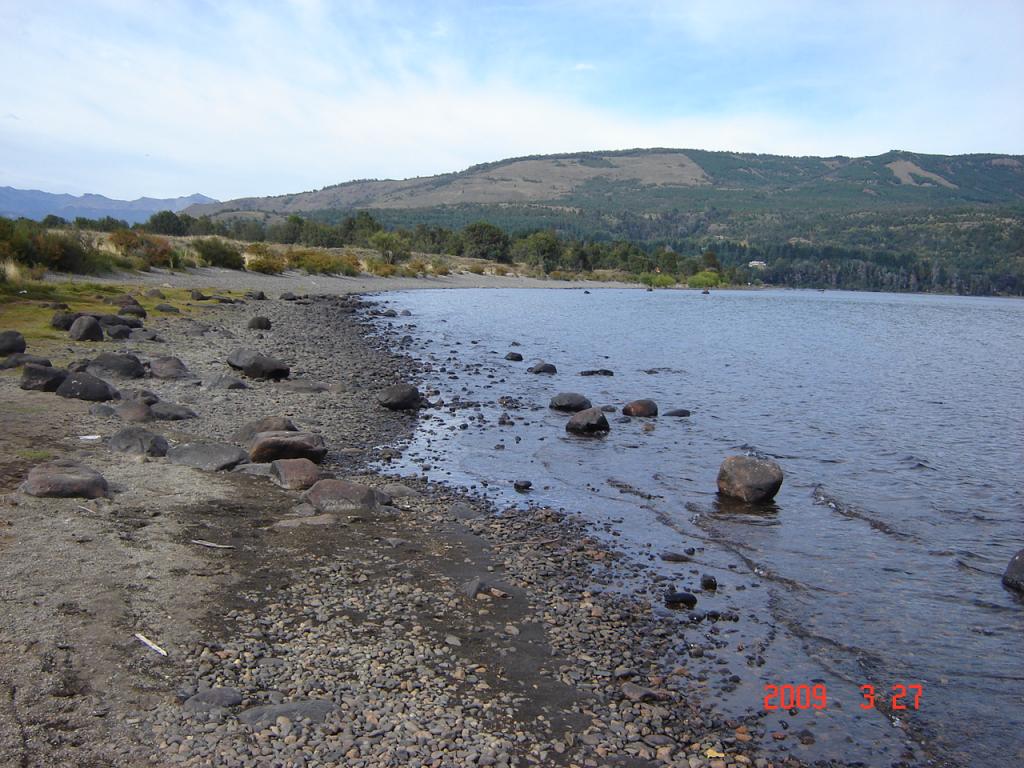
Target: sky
(129,98)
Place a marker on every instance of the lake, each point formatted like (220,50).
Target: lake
(897,419)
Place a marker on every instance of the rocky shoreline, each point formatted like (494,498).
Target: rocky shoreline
(418,629)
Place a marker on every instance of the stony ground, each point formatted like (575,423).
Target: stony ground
(429,632)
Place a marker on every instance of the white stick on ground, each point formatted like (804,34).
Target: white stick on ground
(204,543)
(146,641)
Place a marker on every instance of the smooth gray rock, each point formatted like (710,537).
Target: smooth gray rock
(168,367)
(224,381)
(749,478)
(259,323)
(590,422)
(249,430)
(86,328)
(42,378)
(294,474)
(211,457)
(400,397)
(136,411)
(144,334)
(569,402)
(126,366)
(138,441)
(64,478)
(315,710)
(171,412)
(678,412)
(85,386)
(169,308)
(257,365)
(18,359)
(343,496)
(11,342)
(118,332)
(287,444)
(208,698)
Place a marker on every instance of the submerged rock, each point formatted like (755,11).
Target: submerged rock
(515,357)
(645,408)
(542,367)
(597,372)
(678,412)
(749,478)
(1014,575)
(570,402)
(64,478)
(590,422)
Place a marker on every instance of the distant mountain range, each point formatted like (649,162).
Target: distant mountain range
(658,180)
(33,204)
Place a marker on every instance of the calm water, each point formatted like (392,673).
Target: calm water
(898,420)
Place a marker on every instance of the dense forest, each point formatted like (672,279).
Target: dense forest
(990,260)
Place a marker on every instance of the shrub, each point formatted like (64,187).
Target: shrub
(706,279)
(476,269)
(439,266)
(500,269)
(380,268)
(219,253)
(268,264)
(663,281)
(322,262)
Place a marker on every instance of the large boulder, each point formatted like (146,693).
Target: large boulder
(86,328)
(111,363)
(542,367)
(138,441)
(1014,575)
(168,368)
(134,310)
(18,359)
(343,496)
(294,474)
(400,397)
(64,478)
(42,378)
(85,386)
(258,366)
(63,321)
(11,342)
(259,323)
(118,332)
(250,429)
(749,478)
(641,408)
(271,446)
(211,457)
(570,402)
(589,422)
(105,320)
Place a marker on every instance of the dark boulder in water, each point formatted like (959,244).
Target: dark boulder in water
(515,357)
(680,600)
(678,412)
(597,372)
(749,478)
(542,367)
(641,408)
(590,422)
(570,402)
(1014,576)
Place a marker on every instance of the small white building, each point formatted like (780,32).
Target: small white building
(756,264)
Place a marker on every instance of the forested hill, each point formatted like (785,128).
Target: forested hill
(663,180)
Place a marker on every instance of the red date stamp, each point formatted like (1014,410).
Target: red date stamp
(901,696)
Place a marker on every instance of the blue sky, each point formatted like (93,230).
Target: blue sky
(130,98)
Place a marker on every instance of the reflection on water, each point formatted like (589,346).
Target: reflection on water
(897,420)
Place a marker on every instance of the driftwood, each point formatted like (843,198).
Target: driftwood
(147,642)
(210,544)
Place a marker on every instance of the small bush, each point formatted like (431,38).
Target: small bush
(267,264)
(706,279)
(218,253)
(259,249)
(416,267)
(663,281)
(439,266)
(380,268)
(476,269)
(500,269)
(322,262)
